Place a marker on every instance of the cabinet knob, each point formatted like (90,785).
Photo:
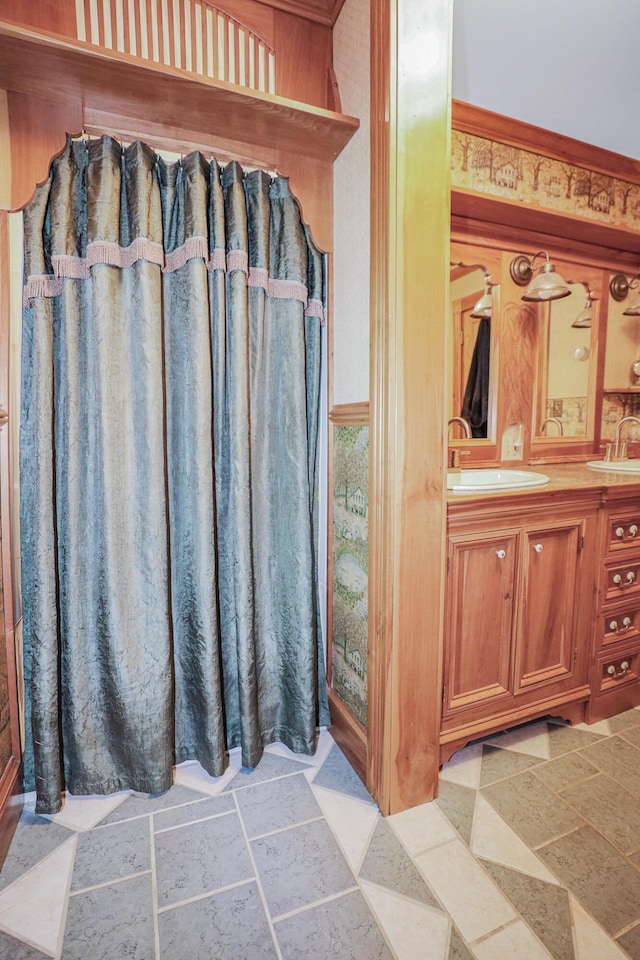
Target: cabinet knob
(501,554)
(617,579)
(624,666)
(626,623)
(611,670)
(630,576)
(633,529)
(537,547)
(620,532)
(613,625)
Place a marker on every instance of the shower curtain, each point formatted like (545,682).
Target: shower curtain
(170,388)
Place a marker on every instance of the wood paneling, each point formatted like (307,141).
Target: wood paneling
(57,16)
(38,129)
(116,91)
(10,775)
(409,296)
(303,59)
(41,65)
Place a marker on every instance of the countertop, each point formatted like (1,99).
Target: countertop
(562,476)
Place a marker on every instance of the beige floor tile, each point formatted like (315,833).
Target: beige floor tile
(83,813)
(530,739)
(352,822)
(591,941)
(325,743)
(464,767)
(415,931)
(192,775)
(493,839)
(421,828)
(34,907)
(476,905)
(515,942)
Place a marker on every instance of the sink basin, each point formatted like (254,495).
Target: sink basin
(624,466)
(470,481)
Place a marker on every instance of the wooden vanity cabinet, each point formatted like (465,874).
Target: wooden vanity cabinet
(615,678)
(521,582)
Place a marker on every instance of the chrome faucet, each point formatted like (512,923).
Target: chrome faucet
(454,455)
(555,420)
(618,449)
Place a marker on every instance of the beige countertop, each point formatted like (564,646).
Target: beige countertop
(562,476)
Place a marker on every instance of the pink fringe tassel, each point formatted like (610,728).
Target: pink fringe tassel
(111,254)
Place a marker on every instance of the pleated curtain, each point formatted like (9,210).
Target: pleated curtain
(171,363)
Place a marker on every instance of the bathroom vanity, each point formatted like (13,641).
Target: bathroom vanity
(542,612)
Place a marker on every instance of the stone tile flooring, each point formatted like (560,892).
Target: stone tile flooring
(531,852)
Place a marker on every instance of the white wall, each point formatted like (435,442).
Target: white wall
(351,204)
(571,66)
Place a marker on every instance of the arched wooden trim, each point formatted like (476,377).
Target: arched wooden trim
(196,36)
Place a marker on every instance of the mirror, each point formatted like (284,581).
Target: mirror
(565,368)
(473,301)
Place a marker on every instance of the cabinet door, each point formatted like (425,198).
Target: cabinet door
(546,651)
(480,607)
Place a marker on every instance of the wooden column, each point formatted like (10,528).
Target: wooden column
(411,51)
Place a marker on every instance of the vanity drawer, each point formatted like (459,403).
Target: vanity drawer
(619,670)
(621,624)
(622,579)
(623,531)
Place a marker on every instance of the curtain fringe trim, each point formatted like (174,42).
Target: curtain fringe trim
(112,254)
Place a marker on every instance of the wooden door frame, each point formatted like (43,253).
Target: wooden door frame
(410,229)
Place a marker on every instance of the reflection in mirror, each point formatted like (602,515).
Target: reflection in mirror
(564,365)
(471,304)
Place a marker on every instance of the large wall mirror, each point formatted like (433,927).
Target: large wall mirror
(565,366)
(533,364)
(475,324)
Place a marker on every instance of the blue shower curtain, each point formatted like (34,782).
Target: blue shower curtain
(170,389)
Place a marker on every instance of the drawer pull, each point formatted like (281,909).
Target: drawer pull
(620,532)
(617,579)
(538,547)
(613,626)
(633,529)
(501,554)
(620,671)
(626,623)
(630,576)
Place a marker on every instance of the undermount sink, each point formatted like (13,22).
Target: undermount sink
(470,481)
(624,466)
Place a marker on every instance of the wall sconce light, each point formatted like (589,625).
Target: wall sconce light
(548,285)
(484,306)
(584,317)
(619,288)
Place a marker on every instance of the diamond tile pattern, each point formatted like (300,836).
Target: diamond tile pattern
(532,850)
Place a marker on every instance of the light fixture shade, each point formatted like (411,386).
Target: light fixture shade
(484,307)
(548,285)
(633,310)
(584,317)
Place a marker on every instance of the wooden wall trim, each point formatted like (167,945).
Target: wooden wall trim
(409,301)
(479,216)
(350,414)
(350,735)
(44,66)
(494,126)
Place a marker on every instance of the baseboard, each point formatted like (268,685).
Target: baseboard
(349,734)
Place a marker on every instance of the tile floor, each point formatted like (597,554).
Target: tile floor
(531,851)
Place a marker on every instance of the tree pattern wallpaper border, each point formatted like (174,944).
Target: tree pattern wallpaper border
(502,170)
(349,648)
